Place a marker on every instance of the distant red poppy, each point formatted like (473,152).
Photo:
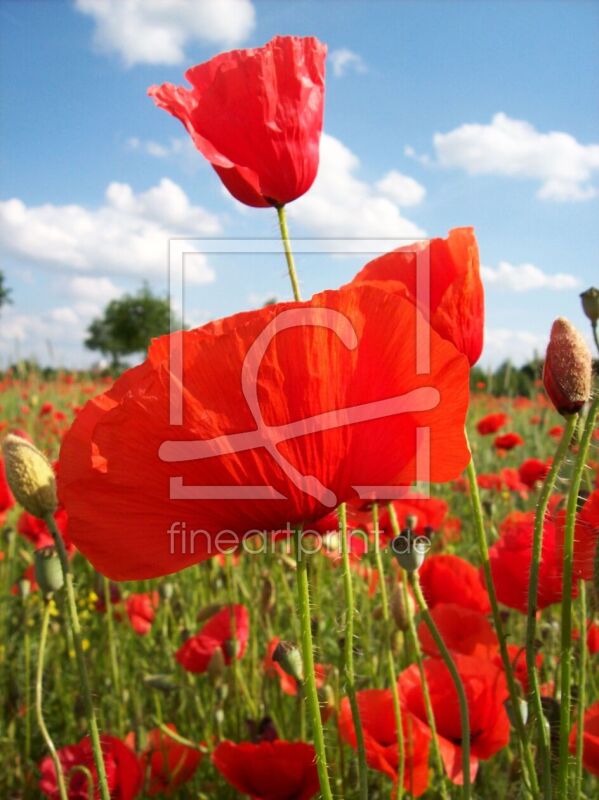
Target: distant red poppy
(447,578)
(533,471)
(491,481)
(169,763)
(277,770)
(287,682)
(456,301)
(491,423)
(510,560)
(123,771)
(556,432)
(141,610)
(36,531)
(511,480)
(122,460)
(429,514)
(517,656)
(486,692)
(256,115)
(508,441)
(463,630)
(196,652)
(590,751)
(593,638)
(375,707)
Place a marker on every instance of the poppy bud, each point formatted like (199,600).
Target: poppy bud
(567,373)
(216,665)
(590,304)
(30,476)
(166,590)
(267,596)
(397,607)
(163,682)
(48,570)
(289,658)
(408,551)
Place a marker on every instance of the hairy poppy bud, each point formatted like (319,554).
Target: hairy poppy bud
(397,607)
(590,304)
(289,659)
(30,476)
(48,570)
(567,373)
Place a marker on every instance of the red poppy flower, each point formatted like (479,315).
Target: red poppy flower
(508,441)
(197,651)
(36,531)
(490,481)
(556,432)
(428,512)
(533,471)
(256,115)
(586,536)
(486,692)
(141,610)
(276,770)
(123,771)
(517,656)
(375,707)
(450,579)
(463,630)
(590,747)
(593,638)
(123,460)
(7,501)
(491,423)
(456,302)
(169,763)
(287,682)
(511,557)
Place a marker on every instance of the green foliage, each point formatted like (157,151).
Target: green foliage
(128,325)
(5,292)
(508,380)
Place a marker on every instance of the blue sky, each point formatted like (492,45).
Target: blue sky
(438,114)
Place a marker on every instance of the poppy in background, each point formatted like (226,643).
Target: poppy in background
(276,770)
(36,531)
(517,654)
(447,578)
(375,707)
(586,536)
(123,771)
(508,441)
(141,610)
(486,691)
(168,763)
(197,652)
(463,631)
(533,471)
(121,455)
(256,116)
(590,752)
(456,302)
(491,423)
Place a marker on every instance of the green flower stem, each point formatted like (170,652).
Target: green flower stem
(483,548)
(582,678)
(114,663)
(348,653)
(533,588)
(288,253)
(415,645)
(39,678)
(566,629)
(309,685)
(81,665)
(388,652)
(455,676)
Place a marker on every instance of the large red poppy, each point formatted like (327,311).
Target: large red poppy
(463,630)
(375,707)
(168,763)
(256,115)
(485,688)
(450,579)
(590,751)
(115,468)
(276,770)
(123,771)
(454,300)
(196,653)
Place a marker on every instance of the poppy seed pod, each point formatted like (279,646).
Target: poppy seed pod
(590,304)
(408,550)
(30,476)
(48,570)
(567,373)
(289,659)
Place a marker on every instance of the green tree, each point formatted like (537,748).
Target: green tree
(128,324)
(5,294)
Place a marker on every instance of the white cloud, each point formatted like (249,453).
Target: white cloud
(344,61)
(404,190)
(158,31)
(514,148)
(341,205)
(517,346)
(524,277)
(128,235)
